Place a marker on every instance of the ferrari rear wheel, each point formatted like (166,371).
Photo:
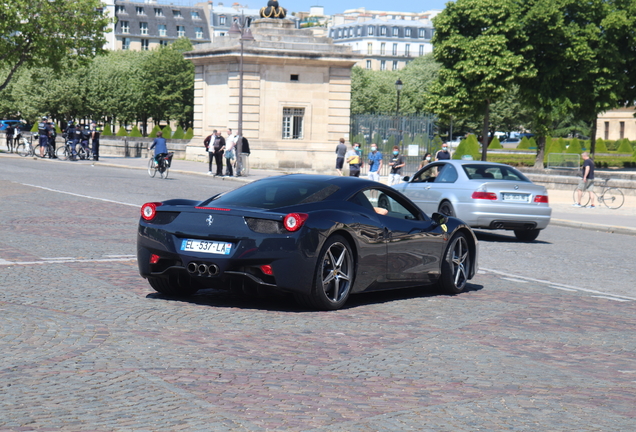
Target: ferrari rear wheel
(172,286)
(334,275)
(456,265)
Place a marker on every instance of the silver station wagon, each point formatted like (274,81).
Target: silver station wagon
(484,195)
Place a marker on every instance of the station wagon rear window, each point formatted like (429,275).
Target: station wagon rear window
(493,172)
(272,194)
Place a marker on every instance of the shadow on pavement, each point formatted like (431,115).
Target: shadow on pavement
(286,303)
(487,236)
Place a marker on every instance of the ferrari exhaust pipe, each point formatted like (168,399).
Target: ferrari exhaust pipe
(202,268)
(213,269)
(192,267)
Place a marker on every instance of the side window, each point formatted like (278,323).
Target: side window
(427,175)
(447,174)
(385,204)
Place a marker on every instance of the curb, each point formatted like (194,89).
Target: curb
(594,227)
(236,179)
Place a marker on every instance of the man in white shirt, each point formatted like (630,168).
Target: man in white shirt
(230,150)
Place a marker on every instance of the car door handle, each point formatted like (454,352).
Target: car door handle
(427,187)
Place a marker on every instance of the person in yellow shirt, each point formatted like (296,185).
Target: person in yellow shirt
(354,159)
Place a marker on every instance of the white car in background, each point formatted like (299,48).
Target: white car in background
(484,195)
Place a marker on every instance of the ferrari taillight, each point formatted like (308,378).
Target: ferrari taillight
(294,221)
(149,210)
(541,199)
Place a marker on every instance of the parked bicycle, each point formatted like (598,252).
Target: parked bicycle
(24,147)
(612,197)
(162,166)
(73,151)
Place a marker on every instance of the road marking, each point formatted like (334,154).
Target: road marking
(555,285)
(611,298)
(515,280)
(120,256)
(563,289)
(80,195)
(65,260)
(58,258)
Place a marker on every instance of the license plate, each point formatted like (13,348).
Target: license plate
(517,197)
(206,246)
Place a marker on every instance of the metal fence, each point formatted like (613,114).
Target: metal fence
(412,133)
(564,161)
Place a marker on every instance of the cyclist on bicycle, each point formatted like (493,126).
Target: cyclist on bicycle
(43,134)
(85,135)
(161,149)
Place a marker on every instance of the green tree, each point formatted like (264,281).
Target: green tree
(475,43)
(495,144)
(55,34)
(625,146)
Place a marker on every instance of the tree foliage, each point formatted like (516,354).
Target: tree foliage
(54,34)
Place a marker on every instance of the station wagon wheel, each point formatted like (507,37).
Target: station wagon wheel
(446,209)
(456,265)
(334,275)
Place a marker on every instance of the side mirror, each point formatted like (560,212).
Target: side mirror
(439,218)
(406,178)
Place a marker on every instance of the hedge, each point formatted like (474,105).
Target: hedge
(135,132)
(178,133)
(122,131)
(167,132)
(189,134)
(495,144)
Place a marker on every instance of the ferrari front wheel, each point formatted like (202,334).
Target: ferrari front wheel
(455,265)
(333,277)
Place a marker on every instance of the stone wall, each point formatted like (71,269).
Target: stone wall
(136,147)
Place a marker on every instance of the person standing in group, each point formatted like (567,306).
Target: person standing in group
(210,151)
(71,136)
(17,136)
(52,136)
(341,151)
(218,147)
(43,134)
(425,160)
(443,154)
(587,182)
(95,141)
(230,144)
(9,133)
(354,159)
(375,163)
(396,164)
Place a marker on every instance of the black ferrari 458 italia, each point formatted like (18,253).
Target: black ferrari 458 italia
(320,238)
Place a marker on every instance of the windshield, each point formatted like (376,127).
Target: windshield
(493,172)
(277,193)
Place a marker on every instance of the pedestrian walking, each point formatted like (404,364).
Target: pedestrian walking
(230,145)
(425,160)
(443,154)
(209,150)
(354,159)
(9,133)
(95,133)
(396,164)
(375,163)
(586,184)
(341,151)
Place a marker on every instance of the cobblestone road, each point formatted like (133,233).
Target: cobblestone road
(86,345)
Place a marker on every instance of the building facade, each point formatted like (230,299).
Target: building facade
(617,124)
(296,95)
(386,40)
(143,26)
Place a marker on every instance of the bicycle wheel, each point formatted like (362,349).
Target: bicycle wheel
(152,170)
(21,150)
(36,151)
(164,170)
(613,198)
(61,153)
(585,197)
(81,153)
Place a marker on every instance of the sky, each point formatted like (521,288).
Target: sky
(333,6)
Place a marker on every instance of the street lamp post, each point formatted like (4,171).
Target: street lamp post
(245,34)
(398,88)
